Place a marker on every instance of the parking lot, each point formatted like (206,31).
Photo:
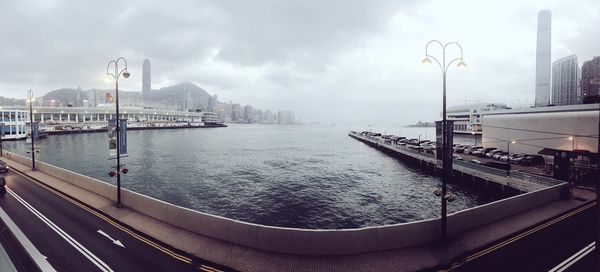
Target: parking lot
(538,170)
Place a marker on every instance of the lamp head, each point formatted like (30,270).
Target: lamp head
(461,64)
(108,79)
(126,74)
(426,60)
(571,138)
(513,141)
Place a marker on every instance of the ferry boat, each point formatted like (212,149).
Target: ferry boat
(210,119)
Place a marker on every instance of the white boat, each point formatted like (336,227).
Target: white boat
(210,119)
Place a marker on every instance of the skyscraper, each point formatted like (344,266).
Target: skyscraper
(565,75)
(542,59)
(146,79)
(590,80)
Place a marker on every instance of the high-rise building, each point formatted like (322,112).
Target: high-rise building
(146,79)
(542,59)
(590,81)
(565,83)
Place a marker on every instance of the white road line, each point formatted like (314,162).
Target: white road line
(573,259)
(95,260)
(39,259)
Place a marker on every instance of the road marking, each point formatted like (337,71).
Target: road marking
(84,251)
(520,236)
(116,242)
(573,259)
(109,220)
(207,268)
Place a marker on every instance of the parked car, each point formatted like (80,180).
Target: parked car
(484,151)
(460,148)
(469,150)
(492,153)
(532,160)
(2,186)
(499,165)
(497,155)
(504,158)
(516,158)
(457,157)
(3,167)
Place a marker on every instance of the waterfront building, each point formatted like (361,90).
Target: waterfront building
(571,127)
(146,79)
(565,81)
(15,123)
(542,59)
(59,118)
(467,118)
(590,80)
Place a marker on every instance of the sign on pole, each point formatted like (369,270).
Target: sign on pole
(449,139)
(112,138)
(123,135)
(35,132)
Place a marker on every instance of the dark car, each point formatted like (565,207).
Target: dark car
(499,165)
(531,160)
(3,167)
(2,186)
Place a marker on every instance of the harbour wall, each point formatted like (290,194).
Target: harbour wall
(313,242)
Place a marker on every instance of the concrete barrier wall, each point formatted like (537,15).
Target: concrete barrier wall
(304,241)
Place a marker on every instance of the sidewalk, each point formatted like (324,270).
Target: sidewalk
(247,259)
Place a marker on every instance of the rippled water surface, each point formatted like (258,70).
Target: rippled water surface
(292,176)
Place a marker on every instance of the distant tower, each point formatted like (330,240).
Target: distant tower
(542,59)
(146,79)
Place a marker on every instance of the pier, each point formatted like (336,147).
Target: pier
(464,172)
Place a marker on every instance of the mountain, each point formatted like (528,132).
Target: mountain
(182,96)
(185,95)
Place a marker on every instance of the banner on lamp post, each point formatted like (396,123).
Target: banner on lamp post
(439,134)
(112,138)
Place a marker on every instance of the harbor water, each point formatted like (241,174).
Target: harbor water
(304,176)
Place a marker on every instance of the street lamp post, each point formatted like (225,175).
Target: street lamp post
(444,67)
(30,100)
(572,143)
(598,188)
(508,151)
(116,76)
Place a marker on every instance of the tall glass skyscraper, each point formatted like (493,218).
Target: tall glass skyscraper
(146,79)
(542,59)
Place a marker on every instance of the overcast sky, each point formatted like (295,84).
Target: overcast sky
(343,61)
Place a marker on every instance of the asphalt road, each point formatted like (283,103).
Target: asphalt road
(538,249)
(75,237)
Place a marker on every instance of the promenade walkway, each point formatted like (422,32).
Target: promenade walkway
(424,257)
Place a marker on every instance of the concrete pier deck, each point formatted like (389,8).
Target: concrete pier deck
(517,180)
